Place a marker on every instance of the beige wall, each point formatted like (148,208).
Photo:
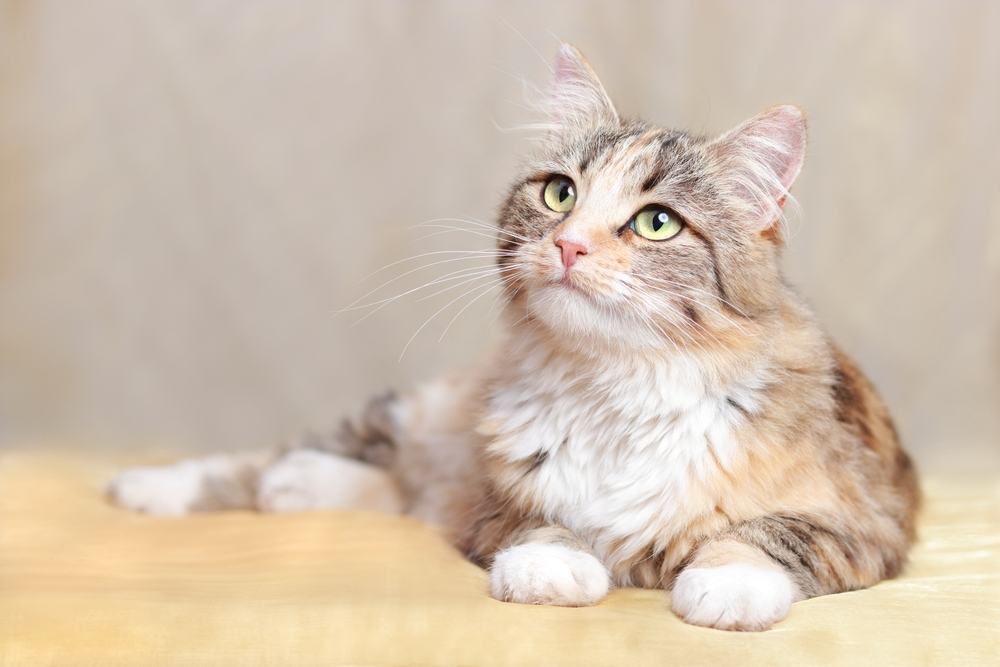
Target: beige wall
(190,189)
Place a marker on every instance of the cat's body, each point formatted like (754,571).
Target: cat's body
(664,411)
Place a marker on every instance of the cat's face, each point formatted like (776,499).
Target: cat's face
(628,234)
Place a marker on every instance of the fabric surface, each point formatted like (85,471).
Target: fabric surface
(83,583)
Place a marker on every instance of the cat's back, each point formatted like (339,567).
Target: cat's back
(862,414)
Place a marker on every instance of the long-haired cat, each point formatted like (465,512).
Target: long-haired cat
(664,411)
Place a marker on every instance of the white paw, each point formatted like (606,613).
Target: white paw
(167,490)
(733,597)
(548,574)
(306,479)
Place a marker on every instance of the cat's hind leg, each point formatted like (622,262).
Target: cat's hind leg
(347,467)
(218,482)
(309,479)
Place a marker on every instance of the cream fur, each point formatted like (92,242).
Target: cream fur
(188,486)
(307,479)
(167,491)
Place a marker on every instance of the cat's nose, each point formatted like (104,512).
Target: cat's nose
(570,251)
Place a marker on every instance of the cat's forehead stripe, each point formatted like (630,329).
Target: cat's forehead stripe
(667,141)
(602,143)
(640,154)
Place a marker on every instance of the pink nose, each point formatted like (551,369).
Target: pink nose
(570,251)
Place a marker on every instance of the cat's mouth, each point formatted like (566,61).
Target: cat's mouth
(576,310)
(575,287)
(569,283)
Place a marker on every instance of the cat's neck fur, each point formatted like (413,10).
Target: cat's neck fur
(727,358)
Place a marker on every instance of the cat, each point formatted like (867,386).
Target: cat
(664,412)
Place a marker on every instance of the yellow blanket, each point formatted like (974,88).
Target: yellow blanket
(83,583)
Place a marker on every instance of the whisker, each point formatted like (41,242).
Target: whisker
(714,295)
(463,280)
(492,272)
(466,307)
(477,223)
(525,127)
(531,46)
(686,337)
(469,253)
(411,271)
(708,307)
(447,230)
(431,318)
(652,306)
(437,281)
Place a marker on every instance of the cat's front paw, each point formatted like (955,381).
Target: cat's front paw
(548,574)
(170,490)
(733,597)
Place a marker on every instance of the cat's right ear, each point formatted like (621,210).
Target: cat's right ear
(576,97)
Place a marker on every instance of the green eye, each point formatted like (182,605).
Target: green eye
(656,224)
(560,194)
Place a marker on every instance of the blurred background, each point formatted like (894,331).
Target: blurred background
(191,189)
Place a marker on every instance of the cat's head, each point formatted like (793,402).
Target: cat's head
(622,233)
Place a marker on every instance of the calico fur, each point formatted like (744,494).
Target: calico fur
(662,414)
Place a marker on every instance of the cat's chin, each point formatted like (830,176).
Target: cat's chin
(576,317)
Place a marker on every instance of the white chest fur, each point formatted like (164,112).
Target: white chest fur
(620,443)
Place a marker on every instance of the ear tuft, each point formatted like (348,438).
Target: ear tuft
(763,157)
(576,96)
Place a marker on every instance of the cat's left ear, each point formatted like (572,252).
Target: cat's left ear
(761,158)
(576,97)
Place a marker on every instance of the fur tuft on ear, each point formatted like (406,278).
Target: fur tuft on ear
(762,158)
(576,97)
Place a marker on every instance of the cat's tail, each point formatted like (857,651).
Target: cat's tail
(371,437)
